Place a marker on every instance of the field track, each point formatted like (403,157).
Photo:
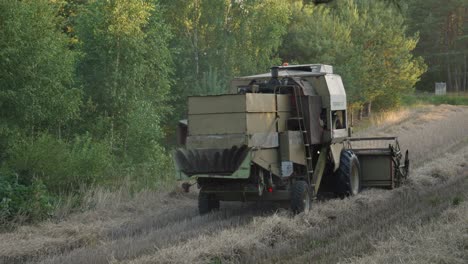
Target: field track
(376,226)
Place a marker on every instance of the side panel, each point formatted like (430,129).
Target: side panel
(260,122)
(376,170)
(292,147)
(260,140)
(313,108)
(283,103)
(267,159)
(283,121)
(337,92)
(336,154)
(283,107)
(250,102)
(231,123)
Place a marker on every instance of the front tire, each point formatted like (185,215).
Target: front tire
(348,175)
(300,197)
(207,202)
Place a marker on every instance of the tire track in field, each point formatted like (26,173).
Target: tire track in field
(355,236)
(349,231)
(152,220)
(130,244)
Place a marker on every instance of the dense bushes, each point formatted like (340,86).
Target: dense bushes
(62,166)
(20,200)
(83,94)
(41,170)
(38,171)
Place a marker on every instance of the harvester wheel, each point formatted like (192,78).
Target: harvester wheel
(348,175)
(207,202)
(300,197)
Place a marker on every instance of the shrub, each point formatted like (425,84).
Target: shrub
(31,202)
(154,171)
(61,166)
(143,159)
(89,162)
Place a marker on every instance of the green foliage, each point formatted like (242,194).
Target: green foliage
(126,71)
(217,40)
(366,43)
(430,98)
(457,200)
(36,68)
(62,166)
(32,202)
(146,162)
(210,84)
(156,172)
(38,93)
(126,58)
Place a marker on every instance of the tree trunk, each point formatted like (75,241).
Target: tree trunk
(116,73)
(454,78)
(369,108)
(195,38)
(449,76)
(447,44)
(464,73)
(360,113)
(112,133)
(226,34)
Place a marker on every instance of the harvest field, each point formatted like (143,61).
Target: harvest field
(92,94)
(423,222)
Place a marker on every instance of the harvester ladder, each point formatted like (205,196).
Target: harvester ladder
(305,133)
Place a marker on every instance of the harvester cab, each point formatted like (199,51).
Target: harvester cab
(281,135)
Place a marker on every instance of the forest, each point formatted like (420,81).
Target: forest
(91,90)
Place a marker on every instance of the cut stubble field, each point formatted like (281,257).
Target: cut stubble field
(424,221)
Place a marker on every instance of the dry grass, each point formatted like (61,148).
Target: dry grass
(393,117)
(428,132)
(165,227)
(154,235)
(107,213)
(333,230)
(442,240)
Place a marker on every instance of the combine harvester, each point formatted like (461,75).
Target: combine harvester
(281,136)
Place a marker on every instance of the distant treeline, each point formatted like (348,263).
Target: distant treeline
(90,89)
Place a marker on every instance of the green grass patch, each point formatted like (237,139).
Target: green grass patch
(434,201)
(317,243)
(429,98)
(457,200)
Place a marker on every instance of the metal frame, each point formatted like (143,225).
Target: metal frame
(399,171)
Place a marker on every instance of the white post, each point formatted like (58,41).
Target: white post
(440,88)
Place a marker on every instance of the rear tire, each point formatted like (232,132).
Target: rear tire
(207,202)
(300,197)
(348,175)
